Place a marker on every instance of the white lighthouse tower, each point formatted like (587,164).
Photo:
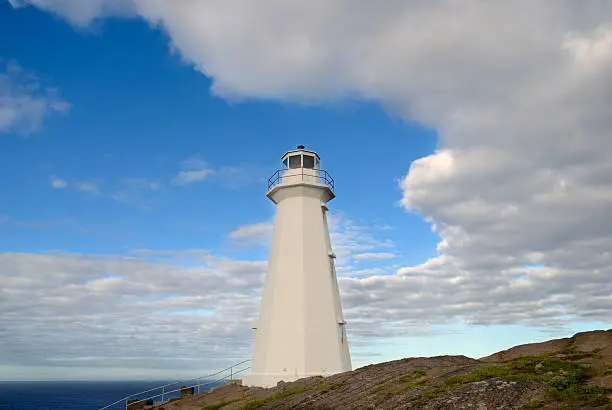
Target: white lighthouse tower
(301,331)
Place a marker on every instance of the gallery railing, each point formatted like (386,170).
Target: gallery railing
(289,175)
(180,388)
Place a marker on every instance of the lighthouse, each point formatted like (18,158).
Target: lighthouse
(301,330)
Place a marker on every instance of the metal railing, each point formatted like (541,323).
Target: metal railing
(300,174)
(189,386)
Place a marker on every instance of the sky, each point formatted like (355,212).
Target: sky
(469,142)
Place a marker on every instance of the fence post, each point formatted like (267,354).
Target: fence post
(163,391)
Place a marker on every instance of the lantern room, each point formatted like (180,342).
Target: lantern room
(301,158)
(300,166)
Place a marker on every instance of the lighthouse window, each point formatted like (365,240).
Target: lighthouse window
(309,161)
(295,161)
(285,162)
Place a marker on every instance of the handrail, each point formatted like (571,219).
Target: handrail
(281,174)
(198,379)
(187,387)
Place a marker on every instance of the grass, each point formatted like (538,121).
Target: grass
(414,375)
(566,380)
(584,395)
(380,388)
(483,374)
(420,382)
(435,392)
(407,378)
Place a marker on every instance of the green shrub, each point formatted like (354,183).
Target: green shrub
(581,395)
(478,375)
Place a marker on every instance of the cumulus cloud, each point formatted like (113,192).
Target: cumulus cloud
(521,111)
(519,92)
(24,102)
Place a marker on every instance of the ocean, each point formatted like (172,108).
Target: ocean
(68,395)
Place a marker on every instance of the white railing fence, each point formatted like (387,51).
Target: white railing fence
(158,395)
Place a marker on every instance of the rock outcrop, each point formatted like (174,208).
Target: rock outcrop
(572,373)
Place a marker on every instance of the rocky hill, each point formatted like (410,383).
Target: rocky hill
(572,373)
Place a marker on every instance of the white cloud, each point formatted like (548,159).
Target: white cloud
(92,187)
(24,102)
(58,183)
(368,256)
(188,177)
(350,240)
(135,191)
(194,169)
(519,93)
(87,186)
(141,184)
(55,223)
(258,233)
(236,176)
(131,308)
(79,12)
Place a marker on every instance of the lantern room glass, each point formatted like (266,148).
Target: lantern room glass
(301,160)
(308,161)
(295,161)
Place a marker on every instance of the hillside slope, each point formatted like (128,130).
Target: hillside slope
(573,373)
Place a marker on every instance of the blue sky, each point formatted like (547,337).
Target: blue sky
(138,112)
(149,158)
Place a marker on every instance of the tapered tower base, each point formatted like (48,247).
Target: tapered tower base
(301,331)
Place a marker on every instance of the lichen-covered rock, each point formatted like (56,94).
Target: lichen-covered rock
(494,393)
